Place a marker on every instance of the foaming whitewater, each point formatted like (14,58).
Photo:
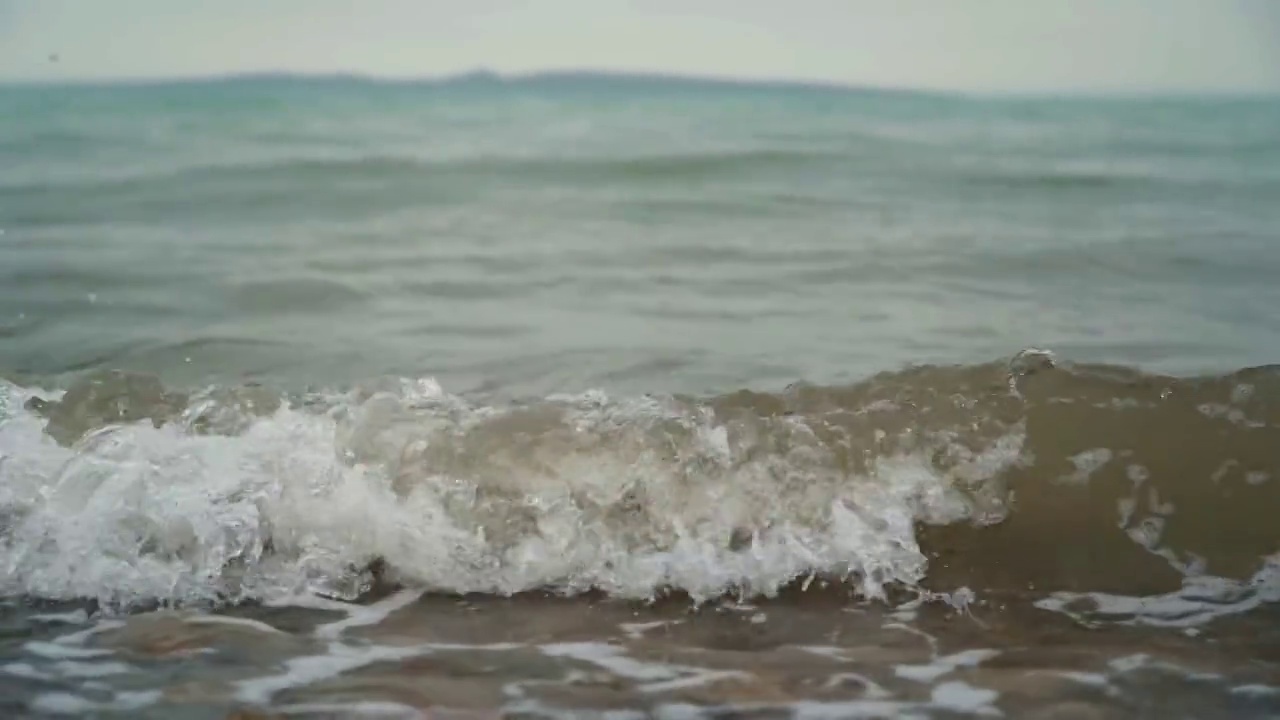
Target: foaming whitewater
(1000,476)
(630,497)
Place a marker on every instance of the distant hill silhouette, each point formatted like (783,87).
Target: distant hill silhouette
(481,77)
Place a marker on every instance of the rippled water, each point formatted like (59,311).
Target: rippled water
(626,397)
(563,235)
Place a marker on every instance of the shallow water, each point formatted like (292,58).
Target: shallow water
(1024,537)
(595,397)
(811,656)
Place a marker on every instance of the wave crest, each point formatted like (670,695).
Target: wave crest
(995,476)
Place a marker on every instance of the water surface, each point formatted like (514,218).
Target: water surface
(633,397)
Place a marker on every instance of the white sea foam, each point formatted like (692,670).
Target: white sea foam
(940,666)
(573,493)
(1201,599)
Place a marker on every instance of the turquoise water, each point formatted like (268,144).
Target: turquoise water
(589,396)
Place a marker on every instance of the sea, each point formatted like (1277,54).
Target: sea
(581,395)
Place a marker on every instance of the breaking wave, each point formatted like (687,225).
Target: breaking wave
(1081,485)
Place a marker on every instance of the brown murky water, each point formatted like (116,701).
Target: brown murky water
(804,655)
(1018,539)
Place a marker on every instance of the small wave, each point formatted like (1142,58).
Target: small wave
(1082,180)
(1065,180)
(360,186)
(1000,477)
(379,172)
(293,294)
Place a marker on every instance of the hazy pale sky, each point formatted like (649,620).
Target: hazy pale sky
(980,45)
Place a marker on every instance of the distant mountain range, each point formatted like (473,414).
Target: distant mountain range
(484,77)
(603,80)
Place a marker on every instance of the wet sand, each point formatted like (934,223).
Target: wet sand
(809,654)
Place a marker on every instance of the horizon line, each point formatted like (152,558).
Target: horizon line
(482,74)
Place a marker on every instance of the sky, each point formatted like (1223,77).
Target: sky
(958,45)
